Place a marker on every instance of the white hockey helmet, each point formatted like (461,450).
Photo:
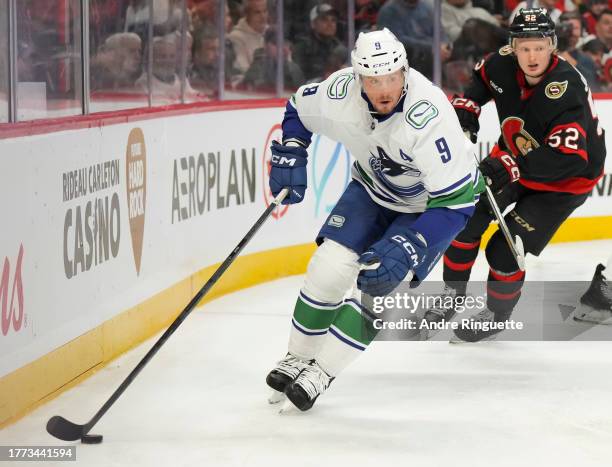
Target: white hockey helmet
(378,53)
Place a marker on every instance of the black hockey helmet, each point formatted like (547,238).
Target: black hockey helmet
(532,22)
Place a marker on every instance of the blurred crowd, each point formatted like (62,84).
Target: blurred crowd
(185,50)
(313,47)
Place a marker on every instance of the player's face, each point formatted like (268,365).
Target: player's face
(384,91)
(533,56)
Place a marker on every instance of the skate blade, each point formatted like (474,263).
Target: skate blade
(288,408)
(276,397)
(587,314)
(606,321)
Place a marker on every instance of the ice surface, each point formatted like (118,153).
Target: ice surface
(202,399)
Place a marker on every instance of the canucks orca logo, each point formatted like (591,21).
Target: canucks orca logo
(383,163)
(385,167)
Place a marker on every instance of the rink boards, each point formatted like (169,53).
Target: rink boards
(111,227)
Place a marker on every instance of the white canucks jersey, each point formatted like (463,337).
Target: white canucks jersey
(417,158)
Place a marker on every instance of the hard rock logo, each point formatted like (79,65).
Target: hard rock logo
(136,176)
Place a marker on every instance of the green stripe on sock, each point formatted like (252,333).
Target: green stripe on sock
(357,327)
(480,184)
(463,195)
(313,318)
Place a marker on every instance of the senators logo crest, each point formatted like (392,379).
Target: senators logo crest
(517,139)
(555,89)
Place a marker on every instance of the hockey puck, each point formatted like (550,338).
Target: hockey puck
(91,439)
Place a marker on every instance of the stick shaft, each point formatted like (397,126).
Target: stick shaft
(519,256)
(187,310)
(504,228)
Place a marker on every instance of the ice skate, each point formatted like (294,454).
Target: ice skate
(283,374)
(595,306)
(443,311)
(307,387)
(476,329)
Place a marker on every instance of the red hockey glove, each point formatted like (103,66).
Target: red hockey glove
(499,170)
(468,112)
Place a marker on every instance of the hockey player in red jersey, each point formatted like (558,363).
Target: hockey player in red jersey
(551,132)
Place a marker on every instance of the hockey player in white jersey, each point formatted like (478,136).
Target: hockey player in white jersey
(413,189)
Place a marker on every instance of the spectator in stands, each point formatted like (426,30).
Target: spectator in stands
(603,28)
(204,76)
(366,14)
(167,17)
(187,52)
(455,13)
(205,28)
(45,55)
(572,21)
(606,71)
(248,35)
(510,5)
(341,6)
(595,49)
(297,15)
(105,18)
(336,60)
(569,32)
(496,7)
(117,64)
(137,18)
(550,5)
(204,15)
(593,8)
(165,83)
(205,73)
(311,52)
(236,10)
(412,22)
(473,31)
(261,76)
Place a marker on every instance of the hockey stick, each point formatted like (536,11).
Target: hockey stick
(66,430)
(516,246)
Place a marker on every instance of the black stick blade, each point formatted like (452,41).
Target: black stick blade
(91,439)
(64,429)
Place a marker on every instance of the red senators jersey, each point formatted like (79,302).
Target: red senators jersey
(551,128)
